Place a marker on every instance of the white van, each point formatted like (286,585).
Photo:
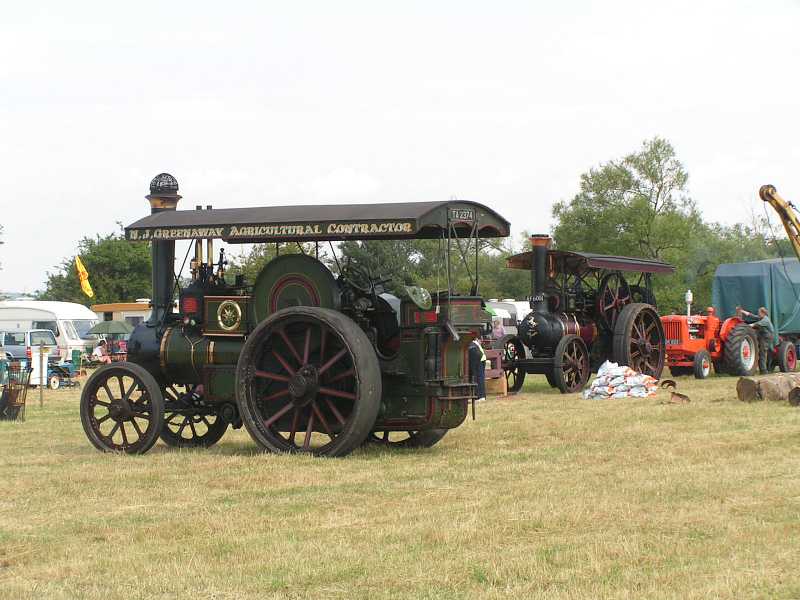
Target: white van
(69,321)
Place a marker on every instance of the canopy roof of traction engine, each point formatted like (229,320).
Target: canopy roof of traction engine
(583,262)
(390,221)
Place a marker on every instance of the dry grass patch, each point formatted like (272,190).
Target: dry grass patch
(544,496)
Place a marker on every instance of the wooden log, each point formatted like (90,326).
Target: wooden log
(775,388)
(747,390)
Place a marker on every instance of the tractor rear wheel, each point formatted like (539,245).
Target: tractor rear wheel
(122,409)
(787,357)
(571,366)
(513,350)
(308,380)
(639,340)
(702,365)
(741,351)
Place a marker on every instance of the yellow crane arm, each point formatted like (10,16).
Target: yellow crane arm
(786,212)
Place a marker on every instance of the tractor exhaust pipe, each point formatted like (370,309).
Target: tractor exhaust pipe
(163,196)
(541,244)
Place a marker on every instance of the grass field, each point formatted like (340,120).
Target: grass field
(544,496)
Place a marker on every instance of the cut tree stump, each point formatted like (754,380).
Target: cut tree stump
(794,397)
(776,388)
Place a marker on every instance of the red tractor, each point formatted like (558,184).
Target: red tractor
(696,342)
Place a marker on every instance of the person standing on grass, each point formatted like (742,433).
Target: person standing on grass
(477,367)
(766,335)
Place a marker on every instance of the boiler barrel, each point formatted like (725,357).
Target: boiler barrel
(184,354)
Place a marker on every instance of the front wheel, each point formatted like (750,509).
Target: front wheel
(407,439)
(702,365)
(122,409)
(571,364)
(308,380)
(54,382)
(188,424)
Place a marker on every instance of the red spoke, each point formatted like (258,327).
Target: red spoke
(336,393)
(282,333)
(307,346)
(276,395)
(336,413)
(332,361)
(307,439)
(323,337)
(278,415)
(283,362)
(322,419)
(341,376)
(273,376)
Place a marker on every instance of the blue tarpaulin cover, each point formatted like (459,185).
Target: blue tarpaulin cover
(773,283)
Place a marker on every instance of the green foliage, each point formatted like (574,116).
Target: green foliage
(638,206)
(423,262)
(119,271)
(251,263)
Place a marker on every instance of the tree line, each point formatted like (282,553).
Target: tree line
(638,205)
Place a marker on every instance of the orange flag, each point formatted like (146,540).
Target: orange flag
(83,275)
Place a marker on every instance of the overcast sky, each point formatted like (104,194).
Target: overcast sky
(269,103)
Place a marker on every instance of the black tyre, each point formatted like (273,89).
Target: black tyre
(740,354)
(787,357)
(122,409)
(639,340)
(309,373)
(551,380)
(702,365)
(513,350)
(188,425)
(571,364)
(408,439)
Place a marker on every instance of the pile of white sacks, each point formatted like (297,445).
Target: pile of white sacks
(615,381)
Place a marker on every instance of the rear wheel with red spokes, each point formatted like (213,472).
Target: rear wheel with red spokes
(308,380)
(639,341)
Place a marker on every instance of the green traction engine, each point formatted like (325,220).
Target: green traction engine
(306,360)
